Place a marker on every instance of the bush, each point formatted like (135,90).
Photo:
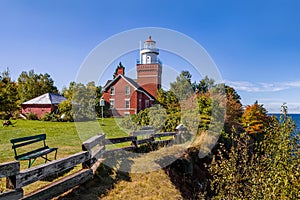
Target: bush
(66,117)
(128,123)
(259,169)
(50,117)
(32,116)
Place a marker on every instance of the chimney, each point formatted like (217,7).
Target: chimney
(120,70)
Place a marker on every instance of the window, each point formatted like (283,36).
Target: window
(147,103)
(112,90)
(140,103)
(148,61)
(127,90)
(112,103)
(127,103)
(126,113)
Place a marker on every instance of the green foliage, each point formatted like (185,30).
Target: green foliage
(157,116)
(182,87)
(205,109)
(204,85)
(50,117)
(65,110)
(31,85)
(266,169)
(32,116)
(8,93)
(85,99)
(128,123)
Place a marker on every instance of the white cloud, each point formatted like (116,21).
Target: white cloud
(262,87)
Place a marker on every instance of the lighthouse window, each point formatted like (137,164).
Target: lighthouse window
(148,59)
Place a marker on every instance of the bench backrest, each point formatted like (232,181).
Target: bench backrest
(20,142)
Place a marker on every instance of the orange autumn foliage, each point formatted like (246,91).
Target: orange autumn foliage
(255,119)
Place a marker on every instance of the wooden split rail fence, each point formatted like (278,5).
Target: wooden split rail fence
(93,151)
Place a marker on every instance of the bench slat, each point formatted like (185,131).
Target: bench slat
(41,137)
(14,146)
(38,154)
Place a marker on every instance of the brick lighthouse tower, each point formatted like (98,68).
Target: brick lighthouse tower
(150,68)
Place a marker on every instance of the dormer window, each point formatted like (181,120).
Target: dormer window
(112,90)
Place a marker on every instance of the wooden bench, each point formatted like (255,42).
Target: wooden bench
(31,156)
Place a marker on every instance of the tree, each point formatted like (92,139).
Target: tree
(65,109)
(84,99)
(68,92)
(169,101)
(31,85)
(255,119)
(204,85)
(271,172)
(8,93)
(182,87)
(234,109)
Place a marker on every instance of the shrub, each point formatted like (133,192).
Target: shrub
(50,117)
(32,116)
(259,169)
(128,123)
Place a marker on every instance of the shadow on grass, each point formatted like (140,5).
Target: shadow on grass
(105,179)
(187,174)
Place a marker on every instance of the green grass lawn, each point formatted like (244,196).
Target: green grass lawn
(67,136)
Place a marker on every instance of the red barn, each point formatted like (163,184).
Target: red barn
(42,104)
(126,96)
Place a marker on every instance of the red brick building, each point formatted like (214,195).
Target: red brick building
(42,104)
(126,96)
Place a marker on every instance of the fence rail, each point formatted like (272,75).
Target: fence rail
(93,151)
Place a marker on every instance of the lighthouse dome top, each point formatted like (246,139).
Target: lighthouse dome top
(149,46)
(150,39)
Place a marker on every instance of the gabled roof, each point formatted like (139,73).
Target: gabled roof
(48,98)
(134,84)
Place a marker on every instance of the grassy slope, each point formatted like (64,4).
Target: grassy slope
(110,183)
(64,135)
(68,137)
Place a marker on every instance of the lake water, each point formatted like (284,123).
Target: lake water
(295,118)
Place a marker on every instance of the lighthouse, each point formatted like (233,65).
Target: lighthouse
(149,69)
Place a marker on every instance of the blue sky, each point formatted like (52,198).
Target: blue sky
(255,44)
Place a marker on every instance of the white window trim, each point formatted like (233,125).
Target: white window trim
(110,100)
(147,102)
(140,104)
(127,86)
(114,90)
(125,103)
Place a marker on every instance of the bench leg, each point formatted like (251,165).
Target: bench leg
(45,158)
(31,162)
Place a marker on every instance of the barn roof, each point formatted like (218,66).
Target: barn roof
(48,98)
